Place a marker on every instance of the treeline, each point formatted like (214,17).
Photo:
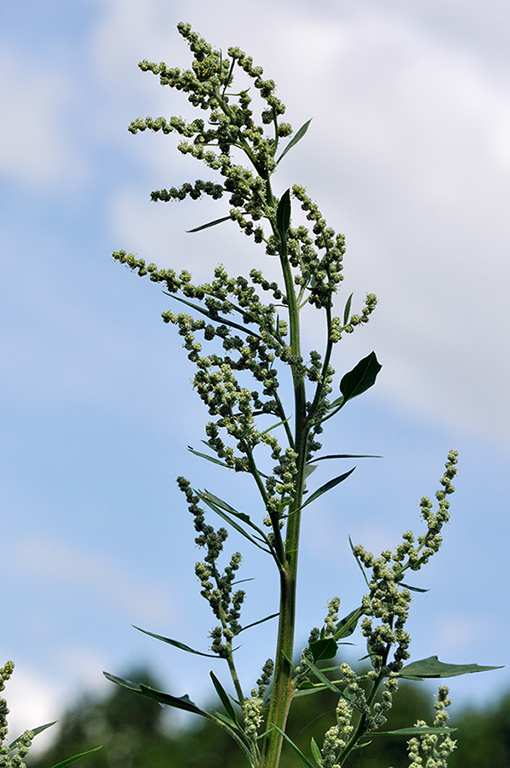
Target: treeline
(135,733)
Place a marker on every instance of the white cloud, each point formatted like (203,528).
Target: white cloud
(409,153)
(36,145)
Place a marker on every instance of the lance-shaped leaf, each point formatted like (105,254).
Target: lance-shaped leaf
(432,667)
(221,507)
(297,137)
(224,697)
(327,487)
(347,310)
(347,625)
(209,224)
(176,644)
(413,589)
(260,621)
(317,756)
(183,702)
(324,680)
(283,215)
(209,458)
(40,728)
(73,759)
(295,747)
(361,378)
(344,456)
(416,730)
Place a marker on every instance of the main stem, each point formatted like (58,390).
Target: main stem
(283,689)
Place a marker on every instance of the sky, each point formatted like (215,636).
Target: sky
(408,154)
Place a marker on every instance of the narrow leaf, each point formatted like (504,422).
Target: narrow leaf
(35,731)
(327,487)
(345,456)
(225,698)
(416,730)
(413,589)
(70,760)
(362,569)
(260,621)
(176,644)
(209,224)
(296,749)
(184,702)
(283,215)
(432,667)
(297,137)
(316,752)
(208,498)
(361,378)
(325,680)
(209,458)
(324,649)
(347,310)
(347,625)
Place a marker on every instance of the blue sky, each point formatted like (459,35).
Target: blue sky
(409,155)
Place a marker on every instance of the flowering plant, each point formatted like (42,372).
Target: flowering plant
(243,335)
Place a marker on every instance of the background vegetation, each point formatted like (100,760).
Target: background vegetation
(136,733)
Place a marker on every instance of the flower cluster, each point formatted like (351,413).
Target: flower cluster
(11,756)
(432,750)
(336,738)
(217,587)
(387,602)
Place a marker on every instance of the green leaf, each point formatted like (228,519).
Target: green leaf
(35,731)
(297,137)
(218,506)
(70,760)
(209,458)
(327,487)
(324,649)
(347,310)
(413,589)
(432,667)
(176,644)
(415,730)
(225,698)
(345,456)
(361,378)
(347,625)
(283,215)
(184,702)
(316,752)
(325,680)
(260,621)
(295,748)
(209,224)
(360,564)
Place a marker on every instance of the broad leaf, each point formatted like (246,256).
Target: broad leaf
(184,702)
(209,224)
(283,215)
(297,137)
(324,649)
(70,760)
(361,378)
(176,644)
(432,667)
(327,487)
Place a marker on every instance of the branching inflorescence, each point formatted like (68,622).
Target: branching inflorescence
(243,335)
